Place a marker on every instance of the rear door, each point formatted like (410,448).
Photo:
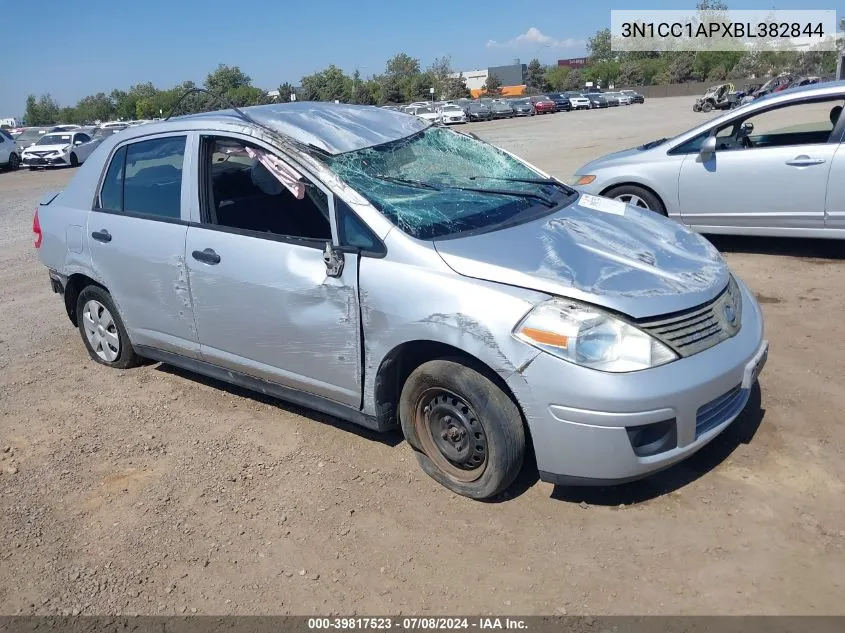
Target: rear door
(777,179)
(265,304)
(137,236)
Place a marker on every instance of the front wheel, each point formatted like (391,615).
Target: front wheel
(638,197)
(706,106)
(14,161)
(466,431)
(74,161)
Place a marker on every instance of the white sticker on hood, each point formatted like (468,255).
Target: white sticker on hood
(605,205)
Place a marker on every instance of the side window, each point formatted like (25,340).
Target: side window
(111,195)
(84,138)
(797,124)
(353,232)
(152,182)
(248,191)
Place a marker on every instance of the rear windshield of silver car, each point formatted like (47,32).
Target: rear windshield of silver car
(439,183)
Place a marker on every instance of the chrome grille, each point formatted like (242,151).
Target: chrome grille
(718,411)
(700,328)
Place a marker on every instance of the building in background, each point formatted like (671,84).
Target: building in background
(574,62)
(474,79)
(9,122)
(511,77)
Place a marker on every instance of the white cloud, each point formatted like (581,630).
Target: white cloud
(535,37)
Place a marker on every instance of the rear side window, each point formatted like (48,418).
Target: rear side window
(146,178)
(111,195)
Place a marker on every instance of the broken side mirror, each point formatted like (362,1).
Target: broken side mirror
(708,148)
(334,260)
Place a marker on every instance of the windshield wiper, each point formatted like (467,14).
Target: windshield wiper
(418,184)
(532,181)
(507,192)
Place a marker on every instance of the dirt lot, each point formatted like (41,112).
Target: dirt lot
(155,491)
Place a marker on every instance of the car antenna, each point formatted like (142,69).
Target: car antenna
(242,115)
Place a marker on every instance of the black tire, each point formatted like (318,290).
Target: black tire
(486,417)
(74,161)
(32,168)
(126,356)
(652,201)
(14,162)
(706,106)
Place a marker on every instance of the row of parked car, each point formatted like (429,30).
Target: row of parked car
(727,97)
(56,145)
(486,109)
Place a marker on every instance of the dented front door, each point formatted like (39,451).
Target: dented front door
(267,308)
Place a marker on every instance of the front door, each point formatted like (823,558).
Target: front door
(770,170)
(137,240)
(264,303)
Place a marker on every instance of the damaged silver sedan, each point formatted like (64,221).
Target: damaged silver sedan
(398,274)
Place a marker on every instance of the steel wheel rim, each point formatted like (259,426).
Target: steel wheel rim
(633,200)
(451,434)
(101,330)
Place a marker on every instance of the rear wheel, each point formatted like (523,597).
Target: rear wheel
(638,197)
(466,431)
(102,329)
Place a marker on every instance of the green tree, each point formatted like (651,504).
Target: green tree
(98,107)
(630,74)
(492,86)
(706,61)
(680,69)
(605,72)
(575,80)
(717,73)
(556,77)
(327,85)
(598,47)
(535,76)
(285,91)
(44,111)
(226,78)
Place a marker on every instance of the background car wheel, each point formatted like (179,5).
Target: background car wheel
(14,161)
(102,329)
(466,431)
(638,197)
(74,161)
(706,106)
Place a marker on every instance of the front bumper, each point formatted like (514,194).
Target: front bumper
(582,420)
(47,161)
(454,119)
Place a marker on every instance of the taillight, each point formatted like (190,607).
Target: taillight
(36,228)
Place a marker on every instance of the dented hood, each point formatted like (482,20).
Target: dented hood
(600,251)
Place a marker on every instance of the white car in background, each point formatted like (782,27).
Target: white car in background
(59,149)
(451,113)
(425,113)
(9,157)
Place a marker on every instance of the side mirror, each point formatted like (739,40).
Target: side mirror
(746,129)
(77,143)
(333,260)
(708,148)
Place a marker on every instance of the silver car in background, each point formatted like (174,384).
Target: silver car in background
(399,274)
(773,167)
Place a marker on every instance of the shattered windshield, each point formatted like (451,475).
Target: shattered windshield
(440,183)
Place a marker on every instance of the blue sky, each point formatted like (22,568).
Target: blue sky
(71,49)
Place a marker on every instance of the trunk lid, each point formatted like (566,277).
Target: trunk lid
(600,251)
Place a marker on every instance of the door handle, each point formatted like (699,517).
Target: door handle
(804,161)
(102,235)
(207,256)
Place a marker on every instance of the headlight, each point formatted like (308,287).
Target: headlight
(587,336)
(577,180)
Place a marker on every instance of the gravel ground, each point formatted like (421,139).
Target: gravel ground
(154,491)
